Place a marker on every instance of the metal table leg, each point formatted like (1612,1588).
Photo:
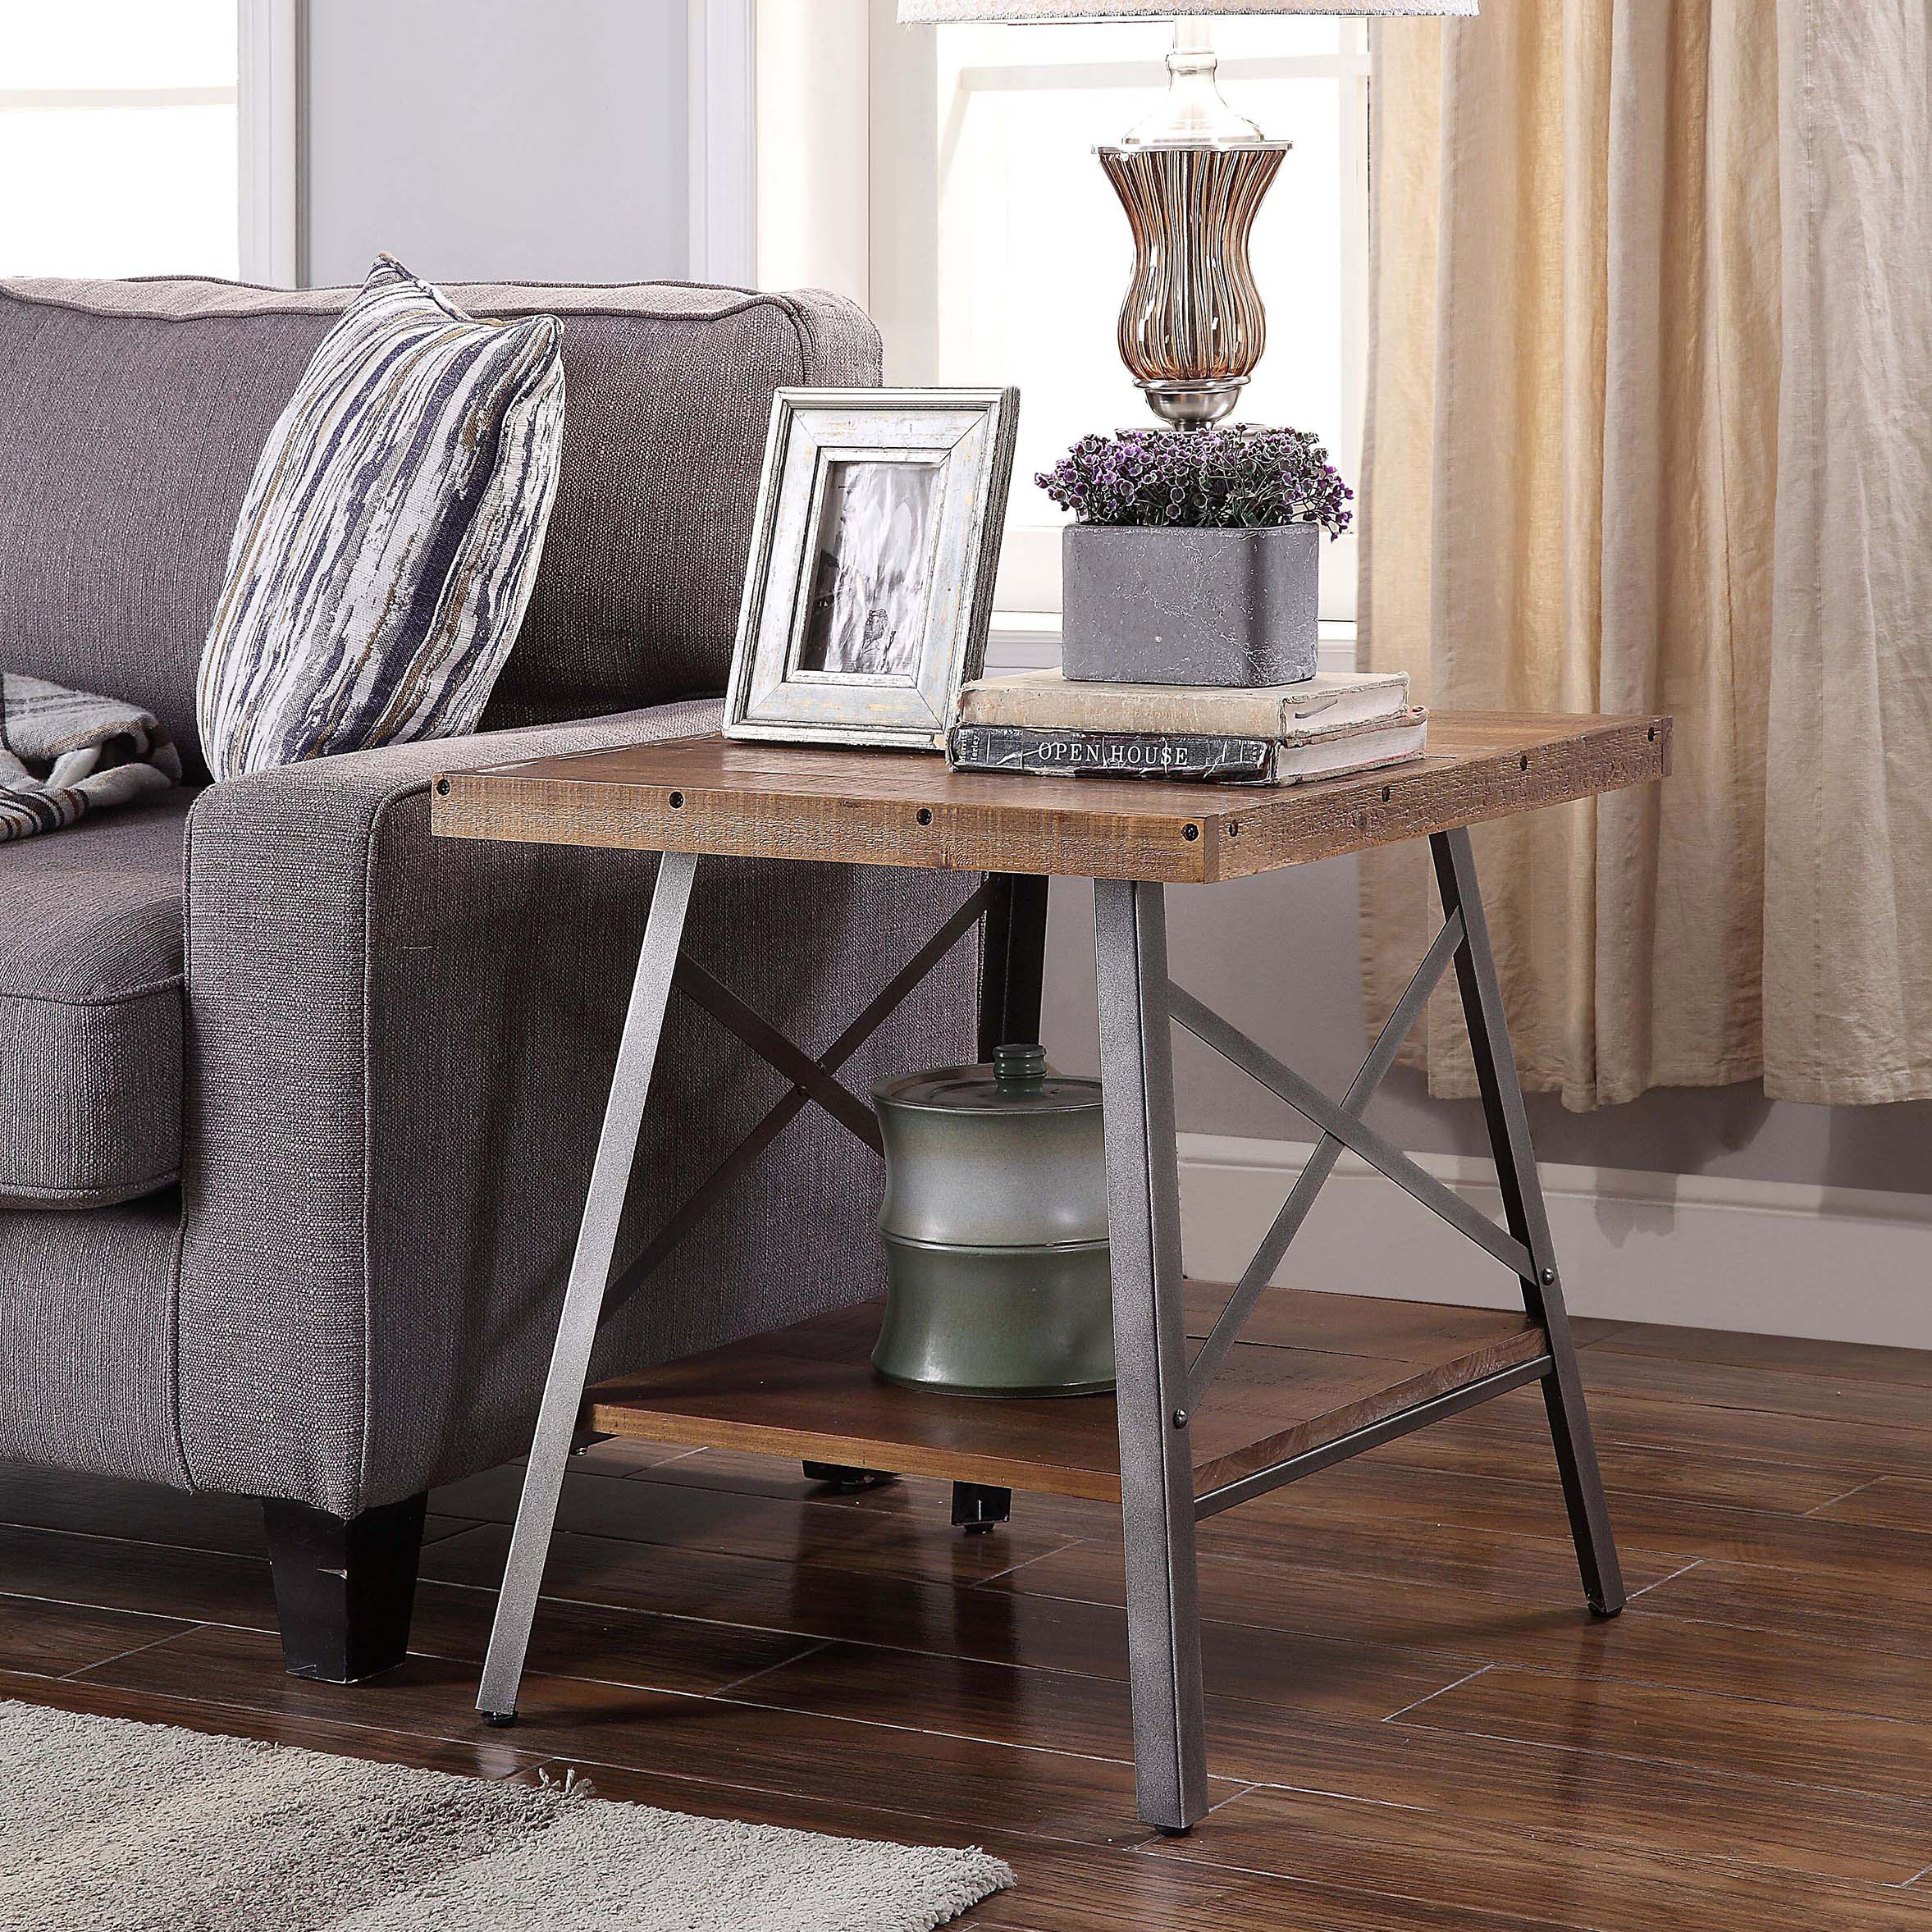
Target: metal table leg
(1529,1222)
(1150,1346)
(589,1277)
(1012,961)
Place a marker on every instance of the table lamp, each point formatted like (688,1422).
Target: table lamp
(1191,177)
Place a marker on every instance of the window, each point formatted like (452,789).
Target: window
(1000,254)
(148,137)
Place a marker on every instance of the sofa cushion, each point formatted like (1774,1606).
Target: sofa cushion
(87,1344)
(91,1009)
(135,412)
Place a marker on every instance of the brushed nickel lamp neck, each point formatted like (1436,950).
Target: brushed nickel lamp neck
(1194,114)
(1191,178)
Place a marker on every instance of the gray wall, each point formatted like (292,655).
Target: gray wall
(478,139)
(1278,956)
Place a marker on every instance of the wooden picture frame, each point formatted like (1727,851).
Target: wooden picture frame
(874,548)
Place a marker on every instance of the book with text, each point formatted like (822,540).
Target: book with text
(1201,757)
(1043,701)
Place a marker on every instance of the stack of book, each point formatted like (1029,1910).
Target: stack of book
(1277,734)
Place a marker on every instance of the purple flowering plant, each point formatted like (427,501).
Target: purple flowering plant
(1201,479)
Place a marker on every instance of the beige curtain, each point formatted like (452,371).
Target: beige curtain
(1649,427)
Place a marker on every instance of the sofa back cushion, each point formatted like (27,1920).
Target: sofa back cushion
(135,412)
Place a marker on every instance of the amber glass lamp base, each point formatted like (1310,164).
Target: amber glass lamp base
(1192,327)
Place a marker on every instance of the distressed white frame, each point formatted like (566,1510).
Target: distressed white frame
(967,435)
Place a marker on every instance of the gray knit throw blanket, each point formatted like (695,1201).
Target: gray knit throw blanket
(64,754)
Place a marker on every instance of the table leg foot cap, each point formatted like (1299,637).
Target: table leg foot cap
(499,1720)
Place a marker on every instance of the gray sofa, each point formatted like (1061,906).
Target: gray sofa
(297,1105)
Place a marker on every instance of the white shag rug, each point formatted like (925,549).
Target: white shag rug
(122,1827)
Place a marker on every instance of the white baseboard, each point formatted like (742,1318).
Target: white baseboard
(1768,1258)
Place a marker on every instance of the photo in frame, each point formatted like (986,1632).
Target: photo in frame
(873,557)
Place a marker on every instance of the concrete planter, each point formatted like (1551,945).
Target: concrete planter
(1174,606)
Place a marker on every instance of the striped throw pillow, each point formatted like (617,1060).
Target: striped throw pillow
(388,541)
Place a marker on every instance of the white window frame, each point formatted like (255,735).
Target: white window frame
(814,105)
(721,75)
(271,117)
(859,86)
(271,59)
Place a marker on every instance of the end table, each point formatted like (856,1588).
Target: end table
(1189,1431)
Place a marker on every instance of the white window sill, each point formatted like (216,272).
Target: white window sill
(1030,641)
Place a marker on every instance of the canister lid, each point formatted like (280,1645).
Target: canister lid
(1018,1082)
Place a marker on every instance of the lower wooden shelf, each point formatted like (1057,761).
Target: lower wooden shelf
(1310,1368)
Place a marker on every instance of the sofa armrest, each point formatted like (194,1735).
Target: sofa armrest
(397,1050)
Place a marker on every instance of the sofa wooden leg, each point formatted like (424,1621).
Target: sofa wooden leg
(344,1590)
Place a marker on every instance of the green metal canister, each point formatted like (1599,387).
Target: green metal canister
(995,1230)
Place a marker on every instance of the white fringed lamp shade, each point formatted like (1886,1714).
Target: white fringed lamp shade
(917,11)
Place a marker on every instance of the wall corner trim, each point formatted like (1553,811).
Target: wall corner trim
(721,68)
(272,123)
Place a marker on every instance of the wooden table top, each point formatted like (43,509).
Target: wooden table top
(714,795)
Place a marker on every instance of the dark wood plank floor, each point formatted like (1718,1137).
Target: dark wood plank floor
(1414,1723)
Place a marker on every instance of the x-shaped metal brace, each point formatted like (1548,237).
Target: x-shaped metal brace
(813,1082)
(1342,1126)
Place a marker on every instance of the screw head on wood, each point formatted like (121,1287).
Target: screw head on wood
(1180,1419)
(1549,1277)
(442,787)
